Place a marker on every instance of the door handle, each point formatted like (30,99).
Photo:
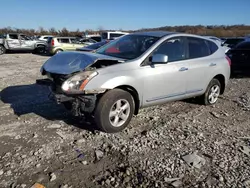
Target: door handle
(212,64)
(183,69)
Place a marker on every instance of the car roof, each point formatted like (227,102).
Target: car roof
(244,42)
(154,33)
(65,37)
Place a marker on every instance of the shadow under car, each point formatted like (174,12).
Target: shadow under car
(25,99)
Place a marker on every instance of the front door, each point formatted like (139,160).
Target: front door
(13,42)
(201,67)
(166,82)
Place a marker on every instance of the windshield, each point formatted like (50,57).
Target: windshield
(128,46)
(96,45)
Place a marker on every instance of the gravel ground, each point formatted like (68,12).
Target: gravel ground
(179,144)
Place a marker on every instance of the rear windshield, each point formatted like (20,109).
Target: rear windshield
(243,45)
(115,35)
(233,41)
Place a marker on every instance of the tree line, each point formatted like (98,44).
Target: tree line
(214,30)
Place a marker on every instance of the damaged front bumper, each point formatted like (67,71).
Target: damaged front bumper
(80,104)
(58,97)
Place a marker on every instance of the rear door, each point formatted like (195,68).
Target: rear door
(200,65)
(26,42)
(65,44)
(13,42)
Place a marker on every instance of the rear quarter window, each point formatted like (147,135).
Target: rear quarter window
(212,46)
(63,40)
(197,48)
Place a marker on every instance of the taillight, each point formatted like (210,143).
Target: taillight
(52,42)
(229,60)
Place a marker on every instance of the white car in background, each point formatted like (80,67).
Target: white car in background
(219,41)
(44,37)
(112,35)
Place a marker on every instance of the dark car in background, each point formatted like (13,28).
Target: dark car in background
(240,58)
(93,47)
(96,38)
(232,41)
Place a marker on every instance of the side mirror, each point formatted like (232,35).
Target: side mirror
(159,58)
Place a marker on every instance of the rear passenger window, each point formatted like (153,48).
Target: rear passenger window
(64,40)
(13,36)
(212,46)
(197,48)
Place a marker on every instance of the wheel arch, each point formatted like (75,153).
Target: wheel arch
(134,94)
(221,79)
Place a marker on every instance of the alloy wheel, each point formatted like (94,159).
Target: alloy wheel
(119,113)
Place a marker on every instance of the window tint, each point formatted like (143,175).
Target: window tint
(13,36)
(173,48)
(115,35)
(243,45)
(45,37)
(98,39)
(197,48)
(212,46)
(64,40)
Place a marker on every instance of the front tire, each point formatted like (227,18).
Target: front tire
(2,50)
(212,93)
(114,111)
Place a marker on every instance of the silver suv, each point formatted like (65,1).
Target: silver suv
(136,71)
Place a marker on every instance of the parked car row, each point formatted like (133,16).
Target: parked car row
(59,44)
(20,42)
(52,44)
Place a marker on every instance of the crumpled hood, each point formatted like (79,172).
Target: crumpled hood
(70,62)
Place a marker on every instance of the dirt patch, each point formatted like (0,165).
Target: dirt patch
(41,142)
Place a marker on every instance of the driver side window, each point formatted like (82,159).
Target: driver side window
(174,48)
(24,37)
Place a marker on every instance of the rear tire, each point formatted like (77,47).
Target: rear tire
(2,50)
(212,92)
(114,111)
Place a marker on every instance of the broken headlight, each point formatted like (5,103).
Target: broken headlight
(77,83)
